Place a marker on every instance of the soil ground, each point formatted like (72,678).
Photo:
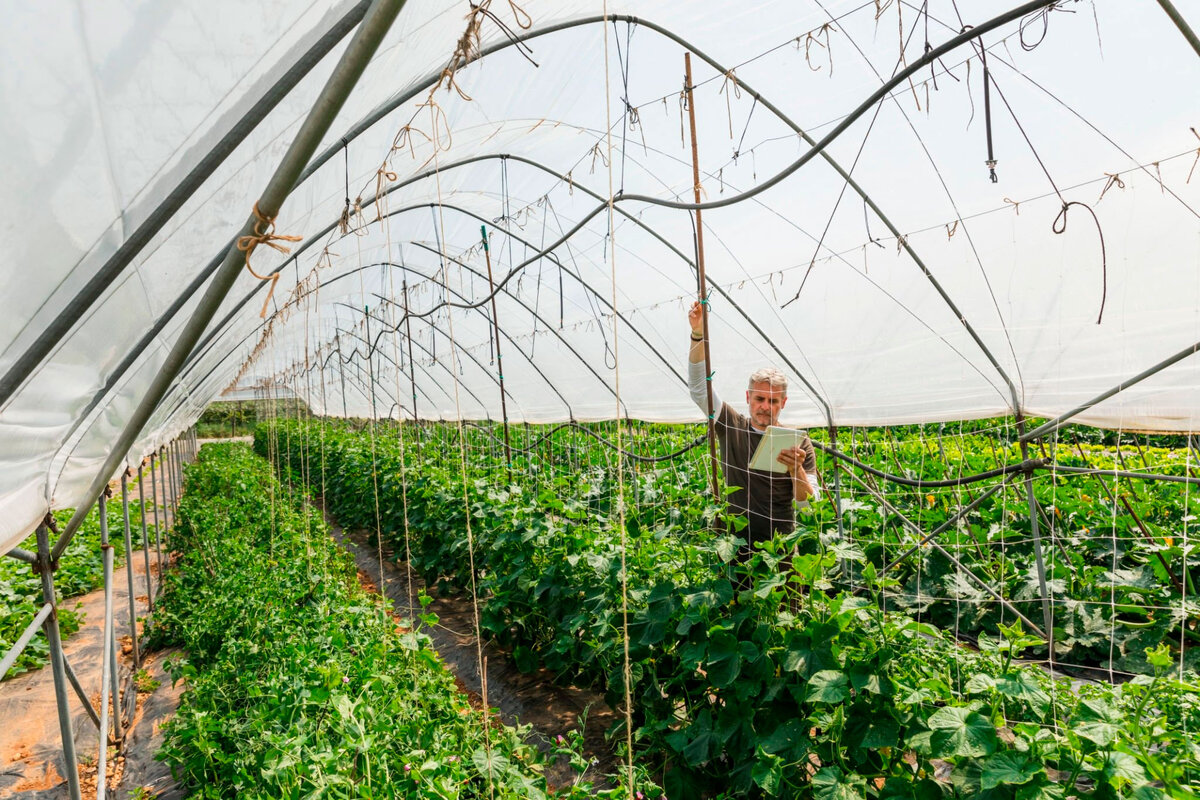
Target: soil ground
(32,766)
(31,758)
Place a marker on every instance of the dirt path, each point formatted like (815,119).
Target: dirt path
(31,758)
(530,699)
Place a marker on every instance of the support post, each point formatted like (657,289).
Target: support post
(837,486)
(1039,558)
(1181,24)
(145,540)
(487,255)
(133,633)
(110,627)
(46,567)
(701,279)
(154,508)
(345,75)
(23,640)
(106,659)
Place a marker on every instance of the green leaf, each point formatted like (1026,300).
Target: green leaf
(980,682)
(959,731)
(830,784)
(525,659)
(827,686)
(1122,768)
(1008,767)
(1021,686)
(491,766)
(768,772)
(1097,722)
(723,663)
(783,737)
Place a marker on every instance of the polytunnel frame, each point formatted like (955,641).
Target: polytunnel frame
(815,148)
(376,22)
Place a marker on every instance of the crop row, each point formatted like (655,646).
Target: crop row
(744,678)
(299,682)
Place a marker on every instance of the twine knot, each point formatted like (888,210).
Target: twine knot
(264,233)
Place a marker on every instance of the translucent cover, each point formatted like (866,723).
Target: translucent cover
(919,290)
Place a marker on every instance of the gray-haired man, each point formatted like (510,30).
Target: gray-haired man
(764,498)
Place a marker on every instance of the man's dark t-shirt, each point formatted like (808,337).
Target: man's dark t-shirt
(764,498)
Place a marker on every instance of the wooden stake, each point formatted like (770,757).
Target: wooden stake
(701,282)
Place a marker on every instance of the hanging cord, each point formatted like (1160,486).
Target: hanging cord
(397,360)
(264,233)
(481,662)
(626,668)
(1059,225)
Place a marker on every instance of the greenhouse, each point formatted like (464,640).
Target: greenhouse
(372,418)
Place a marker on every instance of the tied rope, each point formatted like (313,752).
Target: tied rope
(264,233)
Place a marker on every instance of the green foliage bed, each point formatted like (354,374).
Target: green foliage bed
(300,683)
(786,687)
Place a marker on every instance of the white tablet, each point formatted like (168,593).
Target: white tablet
(774,442)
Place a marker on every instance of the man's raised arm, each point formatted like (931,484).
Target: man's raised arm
(697,380)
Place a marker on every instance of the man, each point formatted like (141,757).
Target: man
(764,498)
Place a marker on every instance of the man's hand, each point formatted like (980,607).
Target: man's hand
(696,318)
(793,458)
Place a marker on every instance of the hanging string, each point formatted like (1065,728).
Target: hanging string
(627,670)
(1059,226)
(481,662)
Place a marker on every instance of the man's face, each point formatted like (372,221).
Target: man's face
(765,404)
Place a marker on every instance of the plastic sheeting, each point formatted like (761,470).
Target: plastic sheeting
(108,105)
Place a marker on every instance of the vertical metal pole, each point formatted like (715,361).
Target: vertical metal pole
(57,664)
(106,659)
(176,472)
(133,634)
(145,540)
(487,254)
(154,508)
(701,280)
(837,485)
(1040,562)
(110,626)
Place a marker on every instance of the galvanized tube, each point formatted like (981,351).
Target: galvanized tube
(1059,421)
(18,647)
(354,60)
(106,661)
(22,555)
(1181,24)
(145,542)
(133,636)
(80,693)
(110,627)
(57,660)
(154,508)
